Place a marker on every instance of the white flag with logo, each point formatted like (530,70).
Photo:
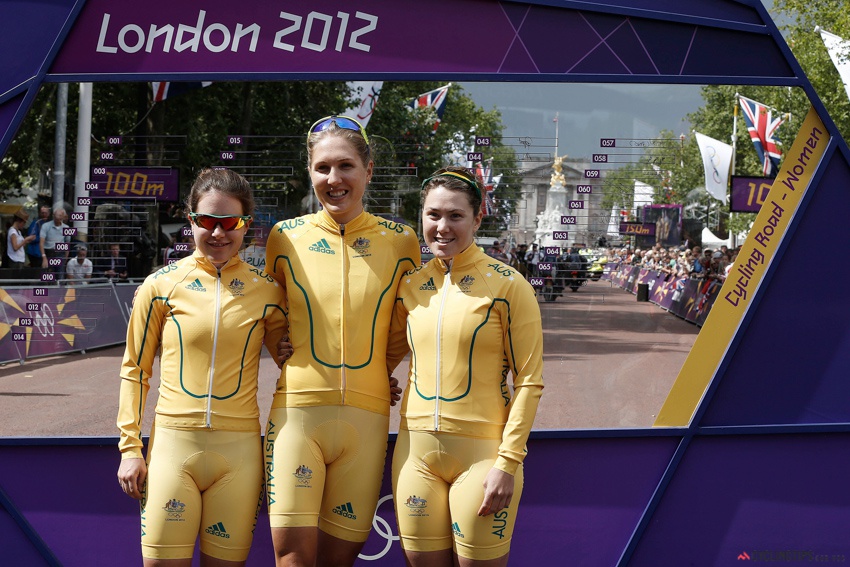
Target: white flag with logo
(839,52)
(717,161)
(644,195)
(367,93)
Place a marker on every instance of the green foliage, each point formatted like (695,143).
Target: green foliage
(808,48)
(666,165)
(191,130)
(30,156)
(187,131)
(716,117)
(413,150)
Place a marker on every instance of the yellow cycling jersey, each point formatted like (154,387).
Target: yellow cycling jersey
(211,326)
(340,282)
(469,325)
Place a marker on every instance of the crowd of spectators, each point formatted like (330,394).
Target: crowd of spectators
(709,264)
(43,245)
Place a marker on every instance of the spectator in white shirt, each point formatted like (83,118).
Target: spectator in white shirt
(79,268)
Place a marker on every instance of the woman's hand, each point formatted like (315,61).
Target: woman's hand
(284,351)
(131,477)
(395,391)
(498,491)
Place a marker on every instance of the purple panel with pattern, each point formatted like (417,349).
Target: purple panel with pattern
(377,37)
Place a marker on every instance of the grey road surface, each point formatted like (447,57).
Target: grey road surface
(609,362)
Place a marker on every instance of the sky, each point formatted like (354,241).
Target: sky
(587,112)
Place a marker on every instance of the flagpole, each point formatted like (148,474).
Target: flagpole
(735,133)
(732,239)
(556,133)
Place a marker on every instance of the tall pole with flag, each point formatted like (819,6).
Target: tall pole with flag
(716,160)
(732,236)
(734,134)
(555,120)
(165,90)
(484,171)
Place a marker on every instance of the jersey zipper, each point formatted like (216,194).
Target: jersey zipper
(214,345)
(343,280)
(446,284)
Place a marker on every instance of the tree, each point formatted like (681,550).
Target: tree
(415,150)
(716,116)
(187,131)
(191,131)
(802,16)
(30,157)
(667,165)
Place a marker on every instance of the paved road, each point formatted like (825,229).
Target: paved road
(609,362)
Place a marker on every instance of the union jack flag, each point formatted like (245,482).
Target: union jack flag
(484,173)
(762,127)
(164,90)
(436,99)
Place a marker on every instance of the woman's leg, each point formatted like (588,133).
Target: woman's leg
(295,479)
(295,547)
(421,496)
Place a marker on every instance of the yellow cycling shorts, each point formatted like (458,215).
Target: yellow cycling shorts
(201,482)
(324,466)
(438,488)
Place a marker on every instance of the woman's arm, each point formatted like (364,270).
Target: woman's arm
(523,345)
(18,242)
(143,339)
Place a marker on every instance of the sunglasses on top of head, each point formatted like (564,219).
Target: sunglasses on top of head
(343,122)
(227,222)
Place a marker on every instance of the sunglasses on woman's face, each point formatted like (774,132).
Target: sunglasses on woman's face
(227,222)
(343,122)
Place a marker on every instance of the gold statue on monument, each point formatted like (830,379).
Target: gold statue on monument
(558,168)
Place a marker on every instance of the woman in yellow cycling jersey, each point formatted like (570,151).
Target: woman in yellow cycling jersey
(210,314)
(470,322)
(326,437)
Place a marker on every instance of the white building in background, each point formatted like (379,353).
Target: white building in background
(539,206)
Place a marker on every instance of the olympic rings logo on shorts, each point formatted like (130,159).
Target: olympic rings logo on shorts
(382,528)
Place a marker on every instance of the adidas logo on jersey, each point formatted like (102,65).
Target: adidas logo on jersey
(456,530)
(196,286)
(322,246)
(345,510)
(218,530)
(429,285)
